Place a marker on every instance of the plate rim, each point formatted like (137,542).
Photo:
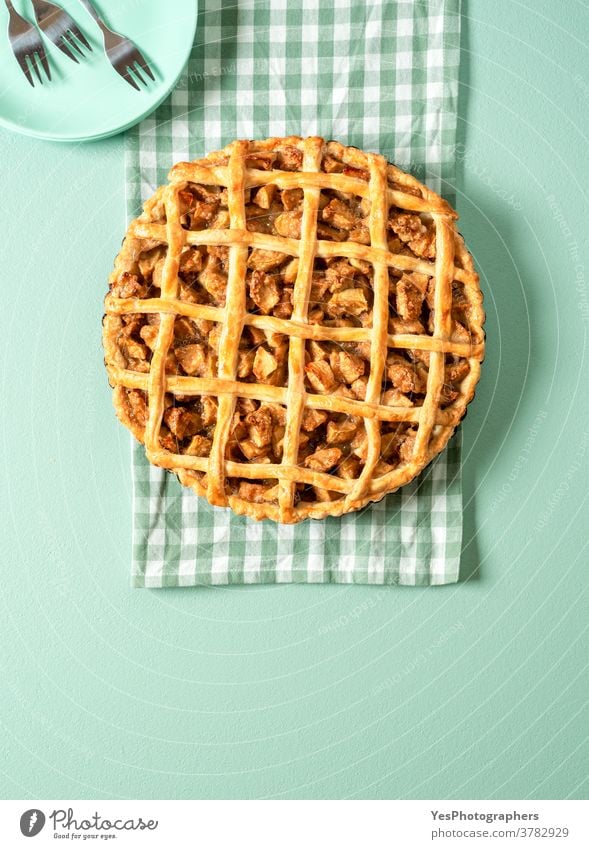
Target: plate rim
(120,128)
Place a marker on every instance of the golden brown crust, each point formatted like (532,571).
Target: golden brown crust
(265,385)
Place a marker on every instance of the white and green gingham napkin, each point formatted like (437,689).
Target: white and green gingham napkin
(382,76)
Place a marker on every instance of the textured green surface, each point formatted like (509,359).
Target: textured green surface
(474,690)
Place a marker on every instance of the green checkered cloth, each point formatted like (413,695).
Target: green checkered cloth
(382,76)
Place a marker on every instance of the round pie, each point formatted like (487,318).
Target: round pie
(293,327)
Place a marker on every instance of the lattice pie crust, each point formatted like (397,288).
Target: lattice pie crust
(293,327)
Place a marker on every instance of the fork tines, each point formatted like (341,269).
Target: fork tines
(61,29)
(27,46)
(68,40)
(39,57)
(136,63)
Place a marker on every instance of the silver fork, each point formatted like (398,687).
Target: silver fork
(124,56)
(61,29)
(26,43)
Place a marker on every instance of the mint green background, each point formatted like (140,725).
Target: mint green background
(471,691)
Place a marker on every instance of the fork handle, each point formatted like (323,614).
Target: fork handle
(92,11)
(42,8)
(98,20)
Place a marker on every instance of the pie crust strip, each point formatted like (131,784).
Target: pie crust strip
(180,385)
(122,306)
(156,379)
(309,180)
(442,329)
(296,394)
(324,248)
(379,211)
(232,326)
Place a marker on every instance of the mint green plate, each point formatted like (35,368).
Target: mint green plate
(90,100)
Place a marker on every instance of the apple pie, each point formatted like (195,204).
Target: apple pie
(293,327)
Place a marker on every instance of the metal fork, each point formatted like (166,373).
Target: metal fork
(123,55)
(60,28)
(26,43)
